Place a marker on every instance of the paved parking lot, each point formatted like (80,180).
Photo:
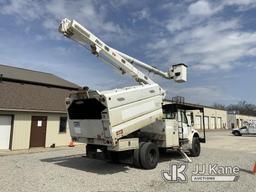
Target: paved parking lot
(66,170)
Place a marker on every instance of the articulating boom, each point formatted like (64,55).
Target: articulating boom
(123,62)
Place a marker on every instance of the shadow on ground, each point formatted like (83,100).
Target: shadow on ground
(82,163)
(252,135)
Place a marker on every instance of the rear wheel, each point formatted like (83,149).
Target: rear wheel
(149,155)
(136,156)
(114,156)
(91,150)
(196,148)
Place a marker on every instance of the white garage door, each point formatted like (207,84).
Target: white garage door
(213,123)
(218,122)
(198,122)
(5,131)
(206,122)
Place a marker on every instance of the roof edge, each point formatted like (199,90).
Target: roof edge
(25,69)
(32,110)
(38,83)
(197,105)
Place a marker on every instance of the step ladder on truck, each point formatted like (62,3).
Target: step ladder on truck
(131,124)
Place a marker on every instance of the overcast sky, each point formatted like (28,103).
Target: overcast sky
(216,39)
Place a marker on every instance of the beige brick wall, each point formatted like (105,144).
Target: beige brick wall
(236,121)
(212,115)
(21,131)
(52,132)
(22,128)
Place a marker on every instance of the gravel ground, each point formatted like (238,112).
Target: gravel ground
(66,170)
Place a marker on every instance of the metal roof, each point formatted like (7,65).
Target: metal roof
(191,105)
(16,74)
(28,97)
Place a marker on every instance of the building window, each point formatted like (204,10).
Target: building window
(63,125)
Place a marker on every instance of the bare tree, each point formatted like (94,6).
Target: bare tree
(241,107)
(219,106)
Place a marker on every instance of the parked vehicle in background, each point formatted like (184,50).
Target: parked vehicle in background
(249,128)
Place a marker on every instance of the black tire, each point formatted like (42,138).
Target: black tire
(236,133)
(196,148)
(149,155)
(136,156)
(114,157)
(90,150)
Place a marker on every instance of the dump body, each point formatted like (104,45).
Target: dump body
(104,117)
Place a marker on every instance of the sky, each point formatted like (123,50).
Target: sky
(216,39)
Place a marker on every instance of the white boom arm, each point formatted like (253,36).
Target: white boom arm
(173,73)
(123,62)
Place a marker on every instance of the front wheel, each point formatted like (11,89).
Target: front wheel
(236,133)
(196,148)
